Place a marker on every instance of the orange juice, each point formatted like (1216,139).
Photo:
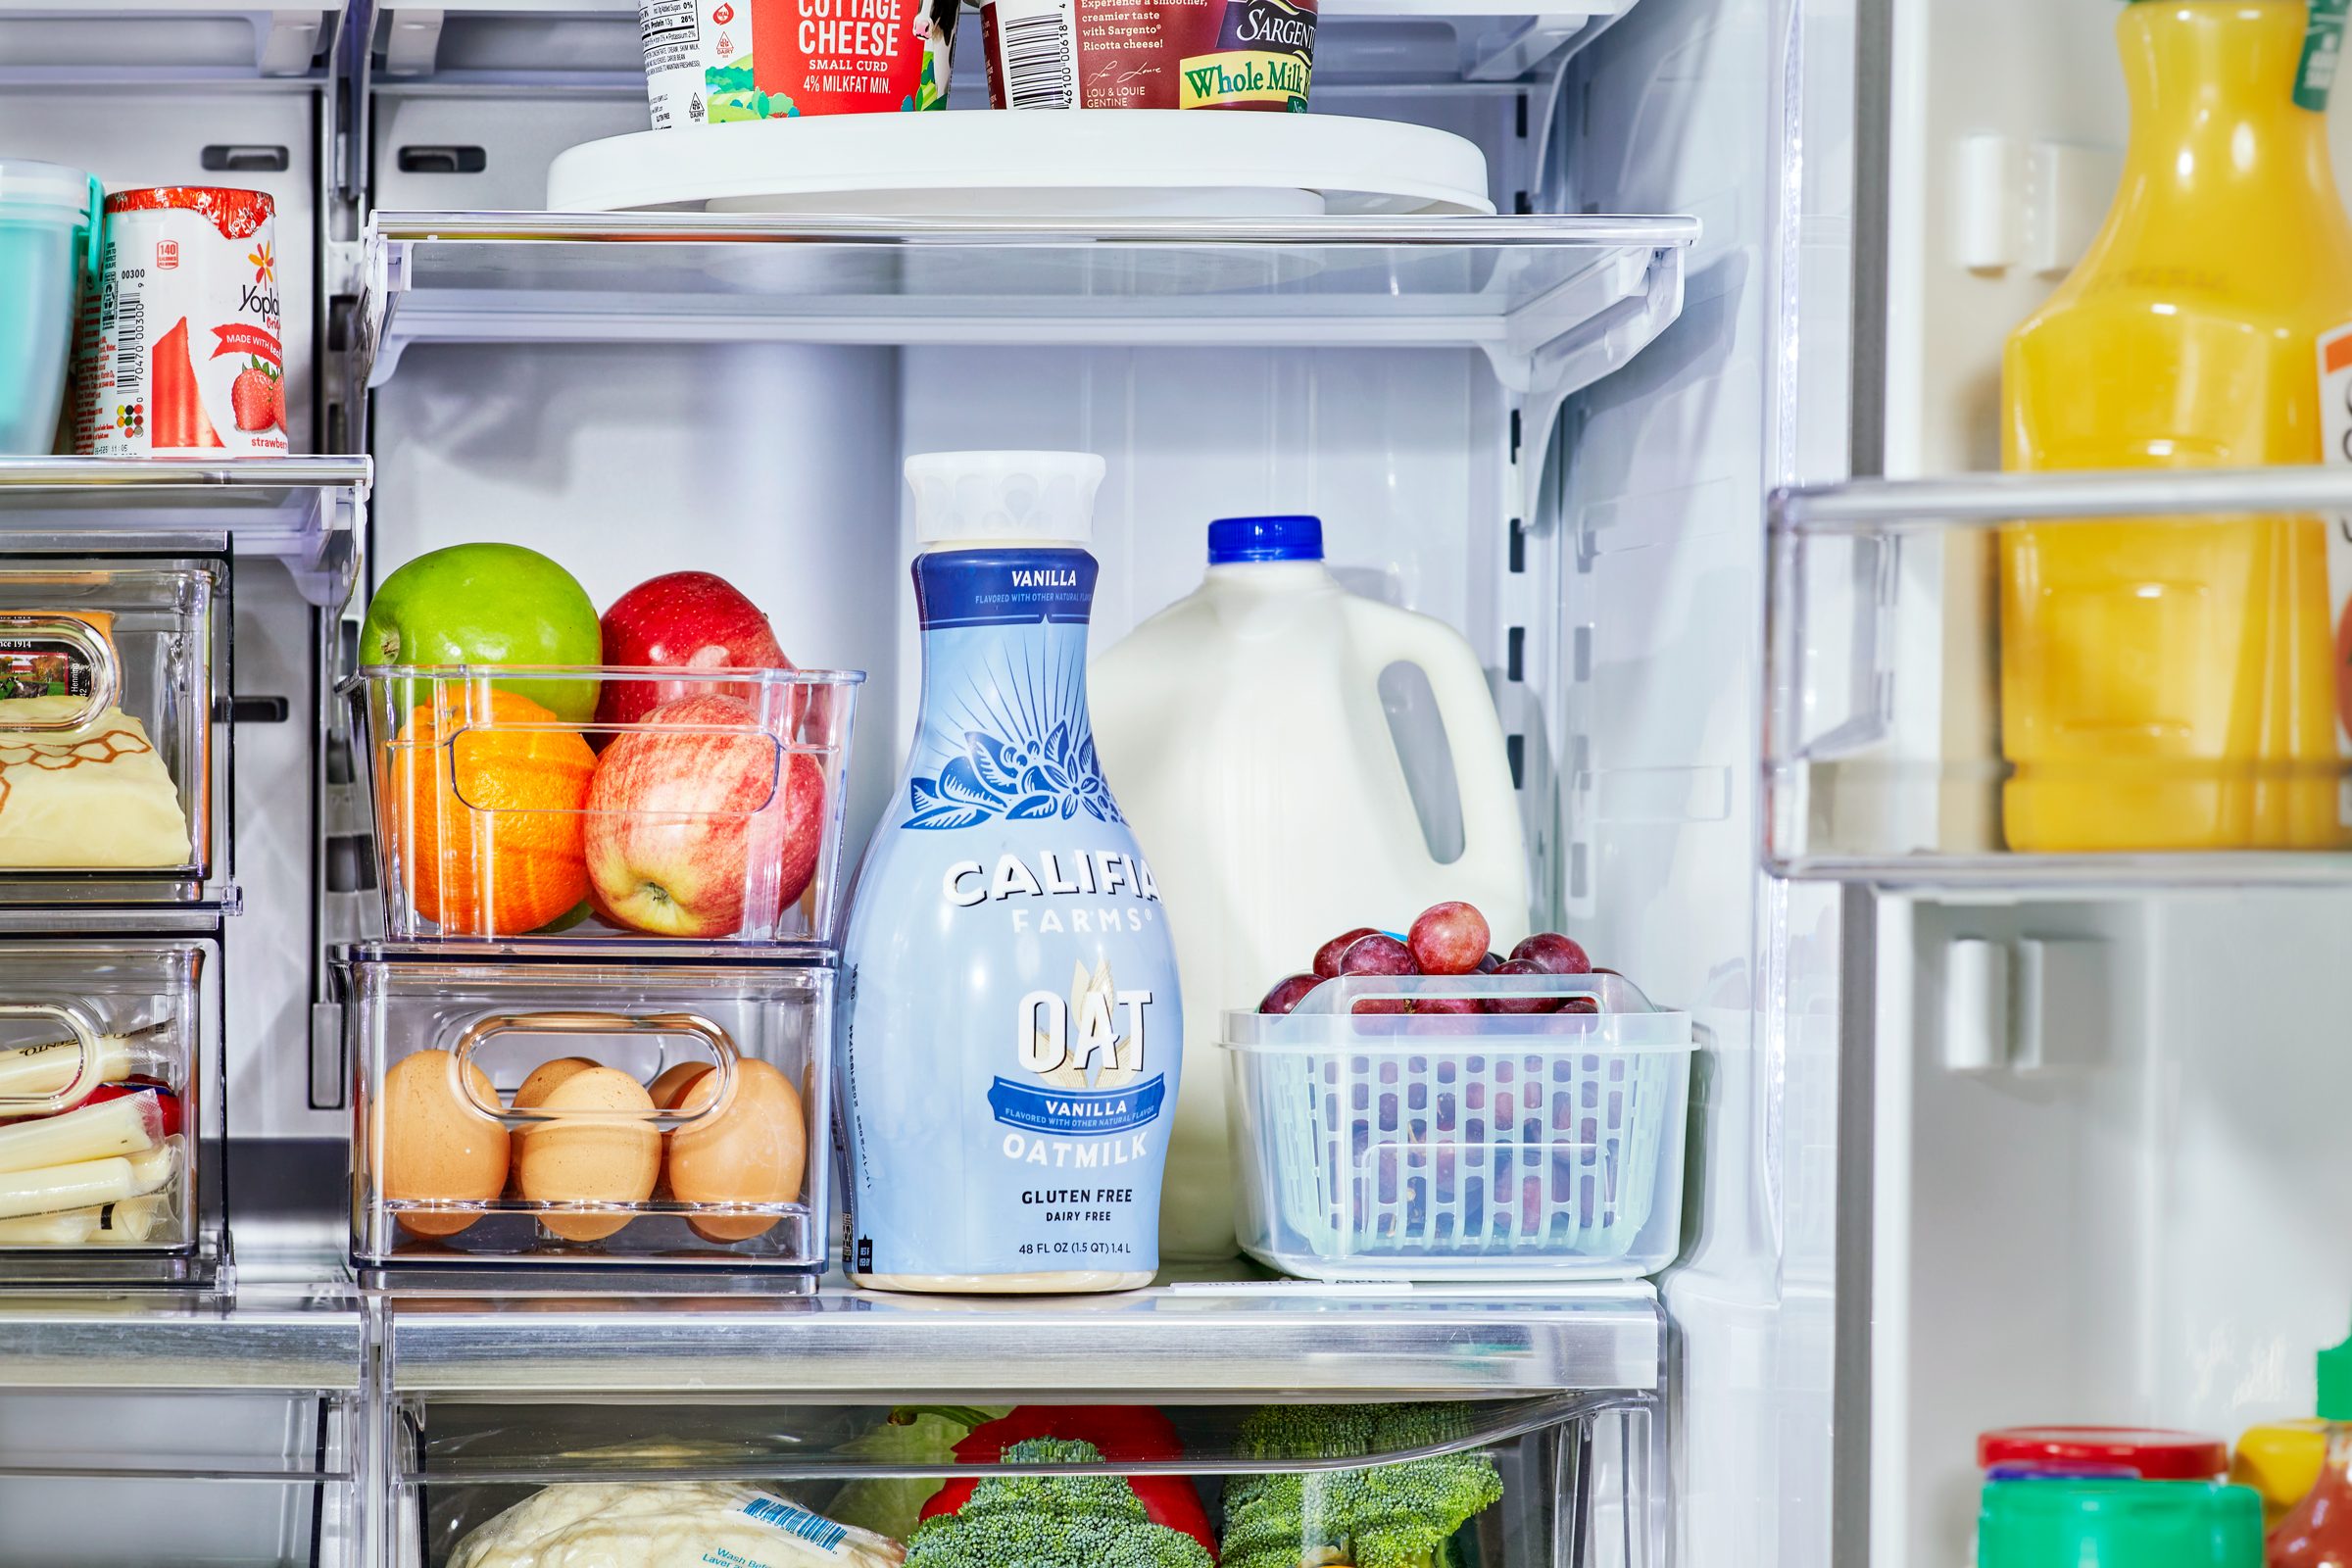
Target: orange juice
(2170,684)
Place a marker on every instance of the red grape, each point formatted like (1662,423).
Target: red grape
(1522,1003)
(1581,1004)
(1552,954)
(1329,955)
(1378,955)
(1446,1004)
(1288,994)
(1490,963)
(1384,1004)
(1448,939)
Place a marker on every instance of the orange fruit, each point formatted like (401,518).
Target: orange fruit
(493,812)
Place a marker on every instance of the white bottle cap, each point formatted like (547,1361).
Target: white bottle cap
(1004,497)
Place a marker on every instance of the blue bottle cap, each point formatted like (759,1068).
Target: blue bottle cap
(1232,540)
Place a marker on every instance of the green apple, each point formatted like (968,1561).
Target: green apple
(489,604)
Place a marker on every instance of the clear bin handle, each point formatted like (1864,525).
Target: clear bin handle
(106,679)
(723,1057)
(81,1038)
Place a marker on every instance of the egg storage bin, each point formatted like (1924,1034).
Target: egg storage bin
(49,237)
(1461,1145)
(503,810)
(110,669)
(470,1151)
(109,1099)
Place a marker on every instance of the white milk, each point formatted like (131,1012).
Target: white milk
(1243,733)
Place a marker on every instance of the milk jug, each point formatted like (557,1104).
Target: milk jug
(1011,1050)
(1244,732)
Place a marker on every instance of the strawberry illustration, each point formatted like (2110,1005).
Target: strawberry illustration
(256,399)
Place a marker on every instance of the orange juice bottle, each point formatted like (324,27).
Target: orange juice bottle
(2169,684)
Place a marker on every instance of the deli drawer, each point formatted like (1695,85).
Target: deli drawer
(110,671)
(109,1096)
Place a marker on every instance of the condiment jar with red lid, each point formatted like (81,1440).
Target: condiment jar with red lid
(2150,1453)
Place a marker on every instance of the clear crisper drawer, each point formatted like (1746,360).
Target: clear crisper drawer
(1539,1135)
(110,1090)
(106,688)
(178,1479)
(518,802)
(570,1115)
(2062,678)
(1554,1482)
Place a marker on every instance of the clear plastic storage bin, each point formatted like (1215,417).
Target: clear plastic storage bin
(108,1051)
(107,686)
(1461,1145)
(503,809)
(483,1137)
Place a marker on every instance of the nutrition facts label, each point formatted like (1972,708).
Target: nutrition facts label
(672,34)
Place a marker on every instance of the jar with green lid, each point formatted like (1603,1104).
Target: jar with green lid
(2119,1524)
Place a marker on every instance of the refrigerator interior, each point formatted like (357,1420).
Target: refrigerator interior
(2125,1223)
(1604,557)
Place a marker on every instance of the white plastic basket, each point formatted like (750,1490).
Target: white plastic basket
(1456,1145)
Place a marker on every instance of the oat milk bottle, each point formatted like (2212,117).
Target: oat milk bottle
(1013,1037)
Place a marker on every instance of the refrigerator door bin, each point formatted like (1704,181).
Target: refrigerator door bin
(110,667)
(110,1104)
(1543,1479)
(507,804)
(1449,1146)
(2070,681)
(700,1137)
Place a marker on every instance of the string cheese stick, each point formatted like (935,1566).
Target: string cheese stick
(122,1224)
(29,1072)
(125,1126)
(88,1182)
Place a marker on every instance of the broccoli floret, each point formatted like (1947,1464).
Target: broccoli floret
(1383,1516)
(1028,1521)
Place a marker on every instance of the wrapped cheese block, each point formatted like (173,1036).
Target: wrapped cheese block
(678,1524)
(96,796)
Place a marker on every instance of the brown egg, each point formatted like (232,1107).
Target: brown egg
(752,1153)
(671,1084)
(544,1078)
(601,1153)
(435,1143)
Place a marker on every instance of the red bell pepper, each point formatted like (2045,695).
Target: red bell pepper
(1120,1433)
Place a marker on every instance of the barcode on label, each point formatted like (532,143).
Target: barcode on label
(130,338)
(779,1514)
(1038,64)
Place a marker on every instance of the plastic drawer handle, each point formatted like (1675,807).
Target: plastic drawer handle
(105,678)
(79,1034)
(722,1045)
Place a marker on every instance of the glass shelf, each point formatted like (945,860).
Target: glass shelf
(2113,750)
(304,511)
(1207,1341)
(289,1337)
(1555,302)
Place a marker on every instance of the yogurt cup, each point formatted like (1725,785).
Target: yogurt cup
(1149,54)
(709,62)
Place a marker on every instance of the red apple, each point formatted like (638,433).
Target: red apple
(692,825)
(682,620)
